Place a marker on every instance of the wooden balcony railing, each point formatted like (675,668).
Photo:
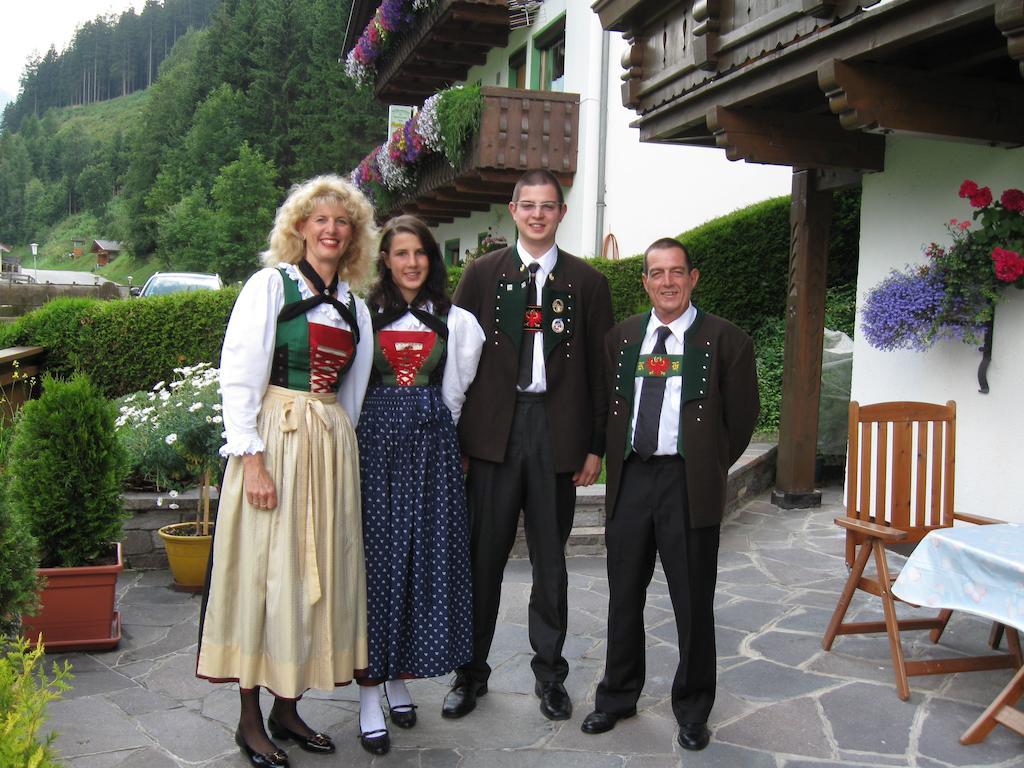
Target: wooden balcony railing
(453,36)
(519,130)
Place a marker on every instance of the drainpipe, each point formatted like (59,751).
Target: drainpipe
(602,141)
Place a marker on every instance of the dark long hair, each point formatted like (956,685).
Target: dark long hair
(384,294)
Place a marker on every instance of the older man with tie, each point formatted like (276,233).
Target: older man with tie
(684,403)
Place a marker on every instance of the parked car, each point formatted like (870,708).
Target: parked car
(162,283)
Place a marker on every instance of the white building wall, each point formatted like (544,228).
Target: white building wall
(903,210)
(652,190)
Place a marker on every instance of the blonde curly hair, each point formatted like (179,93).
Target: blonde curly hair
(287,245)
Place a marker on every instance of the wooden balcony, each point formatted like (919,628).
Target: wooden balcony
(520,130)
(450,38)
(815,83)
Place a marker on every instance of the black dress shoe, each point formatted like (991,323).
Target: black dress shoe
(461,699)
(694,736)
(599,722)
(319,743)
(276,759)
(403,715)
(376,742)
(554,701)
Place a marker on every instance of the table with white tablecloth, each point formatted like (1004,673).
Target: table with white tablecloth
(978,569)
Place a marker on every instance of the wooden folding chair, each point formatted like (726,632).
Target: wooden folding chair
(899,486)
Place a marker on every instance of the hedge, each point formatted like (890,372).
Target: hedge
(128,344)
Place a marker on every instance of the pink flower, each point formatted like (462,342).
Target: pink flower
(1013,200)
(965,224)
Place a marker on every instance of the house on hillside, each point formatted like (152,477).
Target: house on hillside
(549,86)
(9,264)
(904,99)
(105,250)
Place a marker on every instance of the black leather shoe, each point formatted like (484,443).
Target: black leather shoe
(694,736)
(599,722)
(376,742)
(277,759)
(404,715)
(461,699)
(554,701)
(318,743)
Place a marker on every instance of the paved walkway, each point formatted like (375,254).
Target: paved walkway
(782,701)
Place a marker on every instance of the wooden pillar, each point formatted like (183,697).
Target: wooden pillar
(810,216)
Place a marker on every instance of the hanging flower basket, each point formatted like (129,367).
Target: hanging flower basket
(954,294)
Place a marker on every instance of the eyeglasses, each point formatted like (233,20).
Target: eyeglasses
(529,207)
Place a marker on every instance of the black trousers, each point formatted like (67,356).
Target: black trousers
(525,481)
(652,516)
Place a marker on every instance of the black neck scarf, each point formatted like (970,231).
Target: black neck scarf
(322,294)
(388,316)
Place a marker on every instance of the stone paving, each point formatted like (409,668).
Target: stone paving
(782,701)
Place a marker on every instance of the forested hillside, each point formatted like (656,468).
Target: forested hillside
(108,57)
(191,169)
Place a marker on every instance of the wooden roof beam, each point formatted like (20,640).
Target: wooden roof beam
(780,138)
(453,195)
(874,97)
(1010,20)
(488,37)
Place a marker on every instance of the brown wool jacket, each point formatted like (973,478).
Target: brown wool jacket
(718,414)
(577,310)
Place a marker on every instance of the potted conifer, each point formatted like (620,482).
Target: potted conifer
(65,469)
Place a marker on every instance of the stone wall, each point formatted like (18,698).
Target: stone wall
(142,546)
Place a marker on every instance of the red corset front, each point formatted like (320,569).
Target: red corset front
(406,352)
(330,354)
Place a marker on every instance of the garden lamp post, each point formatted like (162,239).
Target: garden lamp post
(35,250)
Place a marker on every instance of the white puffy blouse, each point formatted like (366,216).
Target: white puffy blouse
(464,346)
(249,347)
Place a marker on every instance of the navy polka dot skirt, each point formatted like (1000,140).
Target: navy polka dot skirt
(415,534)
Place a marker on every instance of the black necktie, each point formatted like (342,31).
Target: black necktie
(526,346)
(648,417)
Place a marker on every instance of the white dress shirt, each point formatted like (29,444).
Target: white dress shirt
(465,343)
(668,427)
(246,358)
(547,263)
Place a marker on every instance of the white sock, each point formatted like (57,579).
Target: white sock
(371,716)
(398,694)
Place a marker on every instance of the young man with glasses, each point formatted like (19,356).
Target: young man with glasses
(532,426)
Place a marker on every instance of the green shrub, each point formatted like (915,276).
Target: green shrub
(127,345)
(19,584)
(458,117)
(65,470)
(624,279)
(770,342)
(25,690)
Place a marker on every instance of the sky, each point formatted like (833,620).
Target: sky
(28,26)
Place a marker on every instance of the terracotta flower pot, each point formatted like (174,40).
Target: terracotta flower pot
(76,610)
(187,554)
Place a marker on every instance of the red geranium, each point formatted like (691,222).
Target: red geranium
(968,188)
(1009,265)
(1013,200)
(981,198)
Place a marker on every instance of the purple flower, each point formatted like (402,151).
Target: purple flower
(915,308)
(899,310)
